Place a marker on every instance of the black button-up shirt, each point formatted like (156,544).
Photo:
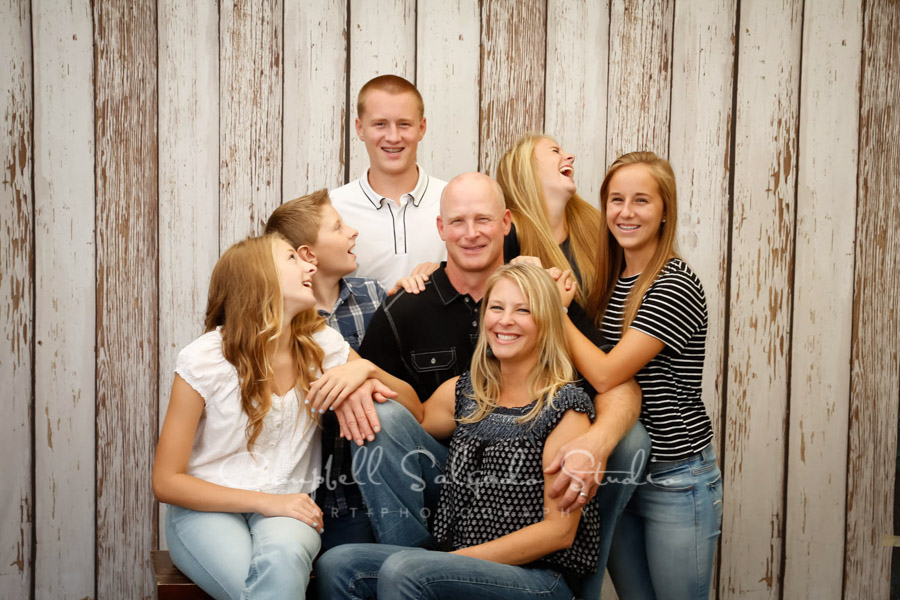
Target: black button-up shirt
(426,338)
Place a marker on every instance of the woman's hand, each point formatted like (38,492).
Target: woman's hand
(566,284)
(335,384)
(295,506)
(415,283)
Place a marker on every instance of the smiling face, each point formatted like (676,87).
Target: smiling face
(334,244)
(634,214)
(295,278)
(391,125)
(508,323)
(555,168)
(473,223)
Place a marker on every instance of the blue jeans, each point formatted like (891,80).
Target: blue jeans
(242,555)
(666,540)
(358,571)
(399,475)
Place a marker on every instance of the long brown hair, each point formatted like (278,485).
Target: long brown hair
(245,300)
(611,257)
(554,366)
(518,176)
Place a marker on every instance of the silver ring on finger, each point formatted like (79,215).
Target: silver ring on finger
(583,495)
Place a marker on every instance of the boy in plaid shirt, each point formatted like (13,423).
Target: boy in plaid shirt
(313,226)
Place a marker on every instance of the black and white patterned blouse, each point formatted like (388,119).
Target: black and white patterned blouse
(495,480)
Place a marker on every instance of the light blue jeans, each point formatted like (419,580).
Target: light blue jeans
(399,474)
(235,556)
(362,571)
(666,539)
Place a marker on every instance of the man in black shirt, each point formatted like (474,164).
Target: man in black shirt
(429,337)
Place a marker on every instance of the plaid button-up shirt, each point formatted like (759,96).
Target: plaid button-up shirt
(357,301)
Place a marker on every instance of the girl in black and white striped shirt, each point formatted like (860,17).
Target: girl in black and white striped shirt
(650,304)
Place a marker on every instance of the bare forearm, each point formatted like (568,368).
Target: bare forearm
(527,544)
(617,411)
(196,494)
(406,395)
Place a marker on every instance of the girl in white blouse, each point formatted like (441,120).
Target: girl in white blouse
(239,452)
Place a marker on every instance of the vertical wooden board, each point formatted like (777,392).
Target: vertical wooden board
(315,95)
(874,385)
(382,42)
(188,179)
(823,300)
(125,38)
(17,311)
(699,145)
(759,329)
(447,75)
(513,58)
(250,92)
(576,94)
(640,76)
(65,308)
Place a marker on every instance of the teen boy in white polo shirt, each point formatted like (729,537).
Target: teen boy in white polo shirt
(395,204)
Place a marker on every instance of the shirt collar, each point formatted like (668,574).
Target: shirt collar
(378,200)
(445,290)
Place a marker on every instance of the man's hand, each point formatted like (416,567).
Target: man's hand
(581,465)
(356,415)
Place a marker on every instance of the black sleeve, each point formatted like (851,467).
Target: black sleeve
(586,326)
(511,247)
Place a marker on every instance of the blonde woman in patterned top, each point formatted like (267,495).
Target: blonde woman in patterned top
(497,532)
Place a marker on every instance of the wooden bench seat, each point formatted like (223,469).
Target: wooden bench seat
(172,584)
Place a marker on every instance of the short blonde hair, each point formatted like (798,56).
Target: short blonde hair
(298,220)
(392,84)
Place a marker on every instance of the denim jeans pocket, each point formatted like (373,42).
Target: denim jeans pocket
(677,478)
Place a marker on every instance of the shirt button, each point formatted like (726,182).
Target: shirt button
(433,360)
(467,300)
(474,323)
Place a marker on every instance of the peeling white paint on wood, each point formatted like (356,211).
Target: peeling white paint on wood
(382,42)
(16,311)
(640,76)
(125,36)
(759,330)
(513,40)
(250,112)
(700,138)
(576,87)
(448,58)
(823,300)
(315,87)
(875,367)
(188,180)
(65,282)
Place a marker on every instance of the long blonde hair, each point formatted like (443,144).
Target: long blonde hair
(554,366)
(518,176)
(245,299)
(611,257)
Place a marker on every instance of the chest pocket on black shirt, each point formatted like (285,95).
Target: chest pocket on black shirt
(434,360)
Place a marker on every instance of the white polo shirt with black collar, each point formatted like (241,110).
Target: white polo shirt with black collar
(393,238)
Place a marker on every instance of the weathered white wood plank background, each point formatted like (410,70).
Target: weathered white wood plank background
(142,138)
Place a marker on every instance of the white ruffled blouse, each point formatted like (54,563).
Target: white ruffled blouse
(286,457)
